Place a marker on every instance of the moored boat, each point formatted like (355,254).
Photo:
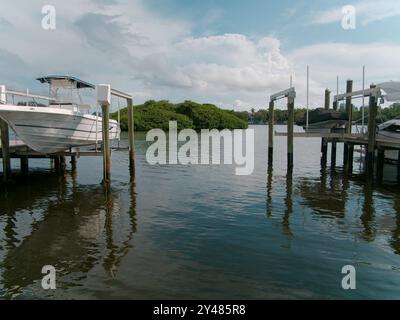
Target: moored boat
(61,125)
(323,120)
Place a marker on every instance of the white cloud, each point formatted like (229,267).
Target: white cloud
(366,12)
(140,51)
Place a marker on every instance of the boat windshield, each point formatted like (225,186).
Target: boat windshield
(68,96)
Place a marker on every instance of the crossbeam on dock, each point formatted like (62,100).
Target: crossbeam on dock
(355,138)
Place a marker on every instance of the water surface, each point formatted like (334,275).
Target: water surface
(201,231)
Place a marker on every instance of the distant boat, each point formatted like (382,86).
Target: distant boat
(62,125)
(323,120)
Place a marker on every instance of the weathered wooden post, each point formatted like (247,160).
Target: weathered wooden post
(373,109)
(290,127)
(334,142)
(63,164)
(271,133)
(104,99)
(5,139)
(379,164)
(5,149)
(398,165)
(349,111)
(324,141)
(24,160)
(73,163)
(131,136)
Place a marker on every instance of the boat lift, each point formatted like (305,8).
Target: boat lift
(290,94)
(18,149)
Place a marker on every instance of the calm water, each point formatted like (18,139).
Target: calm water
(200,231)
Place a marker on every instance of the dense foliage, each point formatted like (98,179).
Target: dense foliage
(157,114)
(262,116)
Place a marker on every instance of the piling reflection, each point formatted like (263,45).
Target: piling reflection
(326,196)
(395,240)
(288,205)
(69,226)
(269,190)
(368,213)
(330,197)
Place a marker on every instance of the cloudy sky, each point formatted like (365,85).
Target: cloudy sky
(228,52)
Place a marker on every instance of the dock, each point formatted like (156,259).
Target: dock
(375,146)
(17,149)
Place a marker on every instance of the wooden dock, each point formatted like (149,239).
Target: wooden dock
(375,145)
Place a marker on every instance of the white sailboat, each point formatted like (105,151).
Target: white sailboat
(61,125)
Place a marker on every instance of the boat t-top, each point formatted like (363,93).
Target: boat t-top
(64,124)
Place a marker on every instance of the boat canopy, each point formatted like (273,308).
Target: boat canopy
(64,81)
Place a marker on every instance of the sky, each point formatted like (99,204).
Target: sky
(228,52)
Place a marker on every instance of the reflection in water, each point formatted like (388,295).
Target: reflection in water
(54,221)
(289,204)
(325,199)
(367,217)
(269,190)
(328,197)
(395,241)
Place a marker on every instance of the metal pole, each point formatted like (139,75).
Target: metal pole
(308,91)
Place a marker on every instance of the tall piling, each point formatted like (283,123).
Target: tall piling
(373,110)
(334,143)
(271,133)
(324,141)
(5,149)
(290,128)
(349,111)
(131,136)
(105,109)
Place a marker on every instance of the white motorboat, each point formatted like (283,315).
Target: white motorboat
(61,125)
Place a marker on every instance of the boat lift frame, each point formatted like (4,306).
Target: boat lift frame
(24,153)
(290,94)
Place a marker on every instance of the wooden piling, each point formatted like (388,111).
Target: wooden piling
(105,108)
(333,153)
(73,162)
(24,165)
(131,136)
(379,164)
(373,109)
(290,127)
(349,111)
(57,164)
(398,165)
(271,133)
(324,141)
(63,164)
(5,149)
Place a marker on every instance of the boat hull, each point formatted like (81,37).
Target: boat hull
(51,130)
